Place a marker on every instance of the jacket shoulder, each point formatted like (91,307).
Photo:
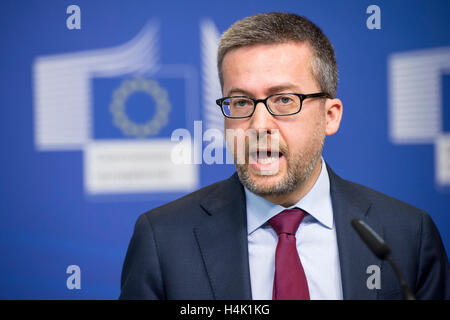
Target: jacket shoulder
(188,209)
(381,202)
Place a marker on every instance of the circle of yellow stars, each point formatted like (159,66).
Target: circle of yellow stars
(118,107)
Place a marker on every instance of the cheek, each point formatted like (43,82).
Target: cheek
(235,136)
(299,136)
(235,124)
(228,124)
(234,129)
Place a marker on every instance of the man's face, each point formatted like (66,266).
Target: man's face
(259,71)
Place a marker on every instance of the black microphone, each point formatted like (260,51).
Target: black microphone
(377,245)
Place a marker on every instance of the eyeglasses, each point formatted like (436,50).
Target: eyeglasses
(279,104)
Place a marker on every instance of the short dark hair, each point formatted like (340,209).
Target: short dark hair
(280,27)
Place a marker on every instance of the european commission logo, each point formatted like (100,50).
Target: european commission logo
(417,102)
(119,106)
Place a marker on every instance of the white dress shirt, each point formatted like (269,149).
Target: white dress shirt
(316,242)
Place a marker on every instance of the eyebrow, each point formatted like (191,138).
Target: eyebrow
(271,90)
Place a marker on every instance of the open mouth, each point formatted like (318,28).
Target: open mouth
(265,156)
(265,162)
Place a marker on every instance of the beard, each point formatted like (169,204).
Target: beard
(299,168)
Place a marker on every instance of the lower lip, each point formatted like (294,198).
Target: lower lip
(271,167)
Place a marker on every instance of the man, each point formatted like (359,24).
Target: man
(280,228)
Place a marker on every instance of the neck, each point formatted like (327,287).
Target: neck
(287,200)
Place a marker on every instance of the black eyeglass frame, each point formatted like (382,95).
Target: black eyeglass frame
(301,96)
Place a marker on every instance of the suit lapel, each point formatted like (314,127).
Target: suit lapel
(354,255)
(222,239)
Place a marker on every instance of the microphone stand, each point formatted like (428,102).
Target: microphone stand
(380,249)
(407,294)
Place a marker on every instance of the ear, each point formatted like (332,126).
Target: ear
(333,114)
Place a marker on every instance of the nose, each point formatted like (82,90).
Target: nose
(261,118)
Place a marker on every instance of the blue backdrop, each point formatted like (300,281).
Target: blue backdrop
(63,107)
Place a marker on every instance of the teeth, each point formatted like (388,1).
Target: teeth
(267,160)
(265,156)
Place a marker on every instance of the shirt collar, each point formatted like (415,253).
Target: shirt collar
(317,202)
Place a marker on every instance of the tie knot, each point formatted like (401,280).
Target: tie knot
(287,221)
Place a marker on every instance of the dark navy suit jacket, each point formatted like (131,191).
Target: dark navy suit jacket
(196,247)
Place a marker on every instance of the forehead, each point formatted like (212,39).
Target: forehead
(266,65)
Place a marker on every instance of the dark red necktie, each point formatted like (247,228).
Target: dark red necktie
(290,280)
